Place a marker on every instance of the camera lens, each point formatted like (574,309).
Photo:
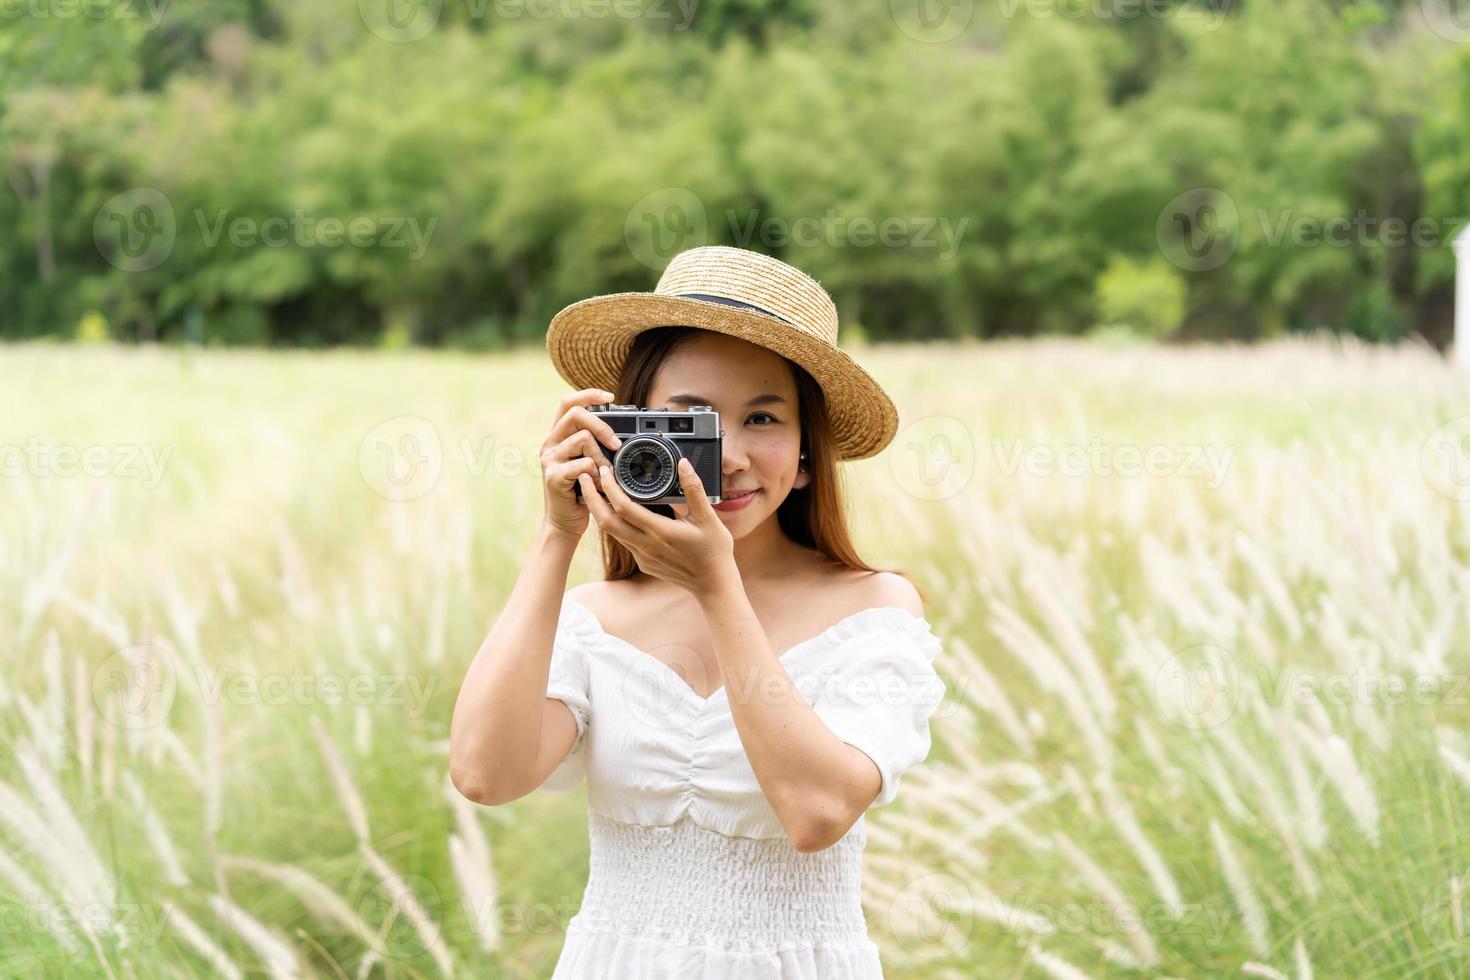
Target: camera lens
(645,468)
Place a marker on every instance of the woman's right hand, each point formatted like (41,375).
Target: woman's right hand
(574,447)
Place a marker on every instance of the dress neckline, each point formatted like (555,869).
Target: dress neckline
(719,693)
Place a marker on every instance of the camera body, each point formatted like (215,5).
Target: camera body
(654,439)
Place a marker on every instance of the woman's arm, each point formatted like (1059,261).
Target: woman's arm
(506,736)
(818,784)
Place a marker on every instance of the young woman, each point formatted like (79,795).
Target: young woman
(741,687)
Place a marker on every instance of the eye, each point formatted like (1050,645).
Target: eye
(764,415)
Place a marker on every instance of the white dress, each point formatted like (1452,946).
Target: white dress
(691,874)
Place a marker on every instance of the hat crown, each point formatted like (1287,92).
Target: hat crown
(751,279)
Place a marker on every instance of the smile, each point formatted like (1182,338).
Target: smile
(736,502)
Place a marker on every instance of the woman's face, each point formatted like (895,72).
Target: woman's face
(755,394)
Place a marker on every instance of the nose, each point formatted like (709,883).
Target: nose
(733,458)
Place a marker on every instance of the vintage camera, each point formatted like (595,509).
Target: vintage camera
(646,464)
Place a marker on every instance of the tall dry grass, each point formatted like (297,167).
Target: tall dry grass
(1171,745)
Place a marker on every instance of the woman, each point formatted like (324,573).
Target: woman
(726,782)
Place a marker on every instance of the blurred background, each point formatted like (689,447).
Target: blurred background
(1163,290)
(452,172)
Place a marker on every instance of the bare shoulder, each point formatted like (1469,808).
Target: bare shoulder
(891,589)
(604,597)
(588,593)
(867,590)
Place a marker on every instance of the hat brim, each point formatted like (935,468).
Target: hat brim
(588,342)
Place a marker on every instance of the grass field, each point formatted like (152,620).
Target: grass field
(1206,616)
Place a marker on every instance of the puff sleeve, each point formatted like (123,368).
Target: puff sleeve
(568,683)
(880,689)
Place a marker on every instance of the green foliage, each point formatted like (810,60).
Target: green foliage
(504,164)
(1149,299)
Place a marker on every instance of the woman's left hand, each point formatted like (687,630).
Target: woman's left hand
(695,552)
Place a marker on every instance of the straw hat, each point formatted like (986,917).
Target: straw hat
(744,294)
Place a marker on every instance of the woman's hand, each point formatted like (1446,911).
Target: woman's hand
(573,449)
(695,552)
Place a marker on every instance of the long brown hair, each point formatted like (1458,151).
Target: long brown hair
(812,515)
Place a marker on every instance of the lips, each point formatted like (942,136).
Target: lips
(736,500)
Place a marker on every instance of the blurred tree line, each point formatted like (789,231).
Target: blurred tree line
(1194,167)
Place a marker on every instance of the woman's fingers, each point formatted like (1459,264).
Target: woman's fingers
(565,474)
(587,396)
(700,509)
(577,417)
(602,511)
(627,508)
(579,443)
